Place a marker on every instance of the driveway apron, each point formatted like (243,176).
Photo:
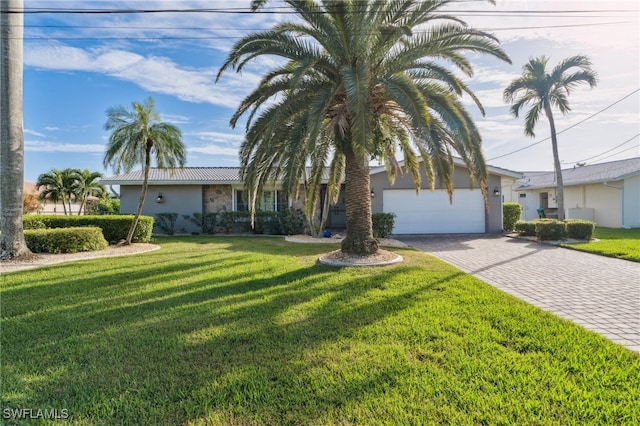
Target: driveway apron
(599,293)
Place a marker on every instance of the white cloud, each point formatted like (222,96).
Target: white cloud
(214,150)
(219,137)
(33,132)
(175,118)
(41,146)
(153,73)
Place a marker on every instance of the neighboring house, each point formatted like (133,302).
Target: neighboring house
(216,189)
(606,193)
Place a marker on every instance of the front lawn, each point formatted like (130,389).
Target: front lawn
(620,243)
(244,331)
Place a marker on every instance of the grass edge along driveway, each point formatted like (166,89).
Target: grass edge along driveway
(253,331)
(612,242)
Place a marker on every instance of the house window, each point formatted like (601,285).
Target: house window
(270,201)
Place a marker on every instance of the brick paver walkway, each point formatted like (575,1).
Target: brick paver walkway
(600,293)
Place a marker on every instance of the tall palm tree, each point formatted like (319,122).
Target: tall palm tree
(138,137)
(87,185)
(544,91)
(361,79)
(12,242)
(55,187)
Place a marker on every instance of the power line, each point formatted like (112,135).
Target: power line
(609,150)
(287,10)
(568,128)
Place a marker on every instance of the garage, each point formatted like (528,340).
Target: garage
(430,212)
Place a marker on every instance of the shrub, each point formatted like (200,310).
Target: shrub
(109,206)
(550,229)
(166,222)
(526,229)
(32,223)
(225,221)
(206,222)
(510,214)
(114,227)
(383,224)
(580,229)
(293,221)
(65,240)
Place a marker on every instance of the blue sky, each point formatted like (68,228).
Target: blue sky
(78,65)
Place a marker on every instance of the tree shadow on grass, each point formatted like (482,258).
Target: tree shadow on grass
(245,332)
(109,351)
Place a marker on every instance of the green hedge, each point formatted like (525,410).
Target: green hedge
(550,230)
(383,224)
(526,229)
(114,227)
(510,214)
(65,240)
(580,229)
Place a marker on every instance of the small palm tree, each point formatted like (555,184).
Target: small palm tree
(69,183)
(87,185)
(544,91)
(55,188)
(138,137)
(360,79)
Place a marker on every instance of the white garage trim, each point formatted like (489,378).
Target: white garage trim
(430,211)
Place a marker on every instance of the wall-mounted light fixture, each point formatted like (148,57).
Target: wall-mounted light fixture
(373,194)
(159,198)
(496,191)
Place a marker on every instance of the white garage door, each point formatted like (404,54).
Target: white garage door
(430,211)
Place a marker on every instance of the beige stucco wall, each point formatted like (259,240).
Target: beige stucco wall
(605,201)
(631,214)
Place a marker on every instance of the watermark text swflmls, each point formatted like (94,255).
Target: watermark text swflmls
(35,413)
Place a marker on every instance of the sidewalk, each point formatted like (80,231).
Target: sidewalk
(600,293)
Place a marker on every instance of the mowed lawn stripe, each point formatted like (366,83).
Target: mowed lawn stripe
(241,330)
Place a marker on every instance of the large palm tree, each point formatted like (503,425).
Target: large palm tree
(87,184)
(547,90)
(360,79)
(138,137)
(12,242)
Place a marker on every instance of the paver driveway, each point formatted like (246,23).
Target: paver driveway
(599,293)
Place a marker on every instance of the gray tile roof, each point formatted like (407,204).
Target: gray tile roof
(188,175)
(595,173)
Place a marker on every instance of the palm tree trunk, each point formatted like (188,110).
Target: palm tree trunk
(359,239)
(556,162)
(12,242)
(143,194)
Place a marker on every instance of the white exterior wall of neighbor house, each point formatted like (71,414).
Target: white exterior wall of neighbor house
(606,203)
(601,201)
(180,199)
(531,202)
(631,194)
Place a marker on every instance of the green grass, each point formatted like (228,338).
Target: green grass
(620,243)
(245,331)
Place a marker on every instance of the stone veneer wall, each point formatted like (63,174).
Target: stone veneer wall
(217,198)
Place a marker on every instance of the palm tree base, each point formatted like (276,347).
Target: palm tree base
(20,254)
(359,247)
(380,258)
